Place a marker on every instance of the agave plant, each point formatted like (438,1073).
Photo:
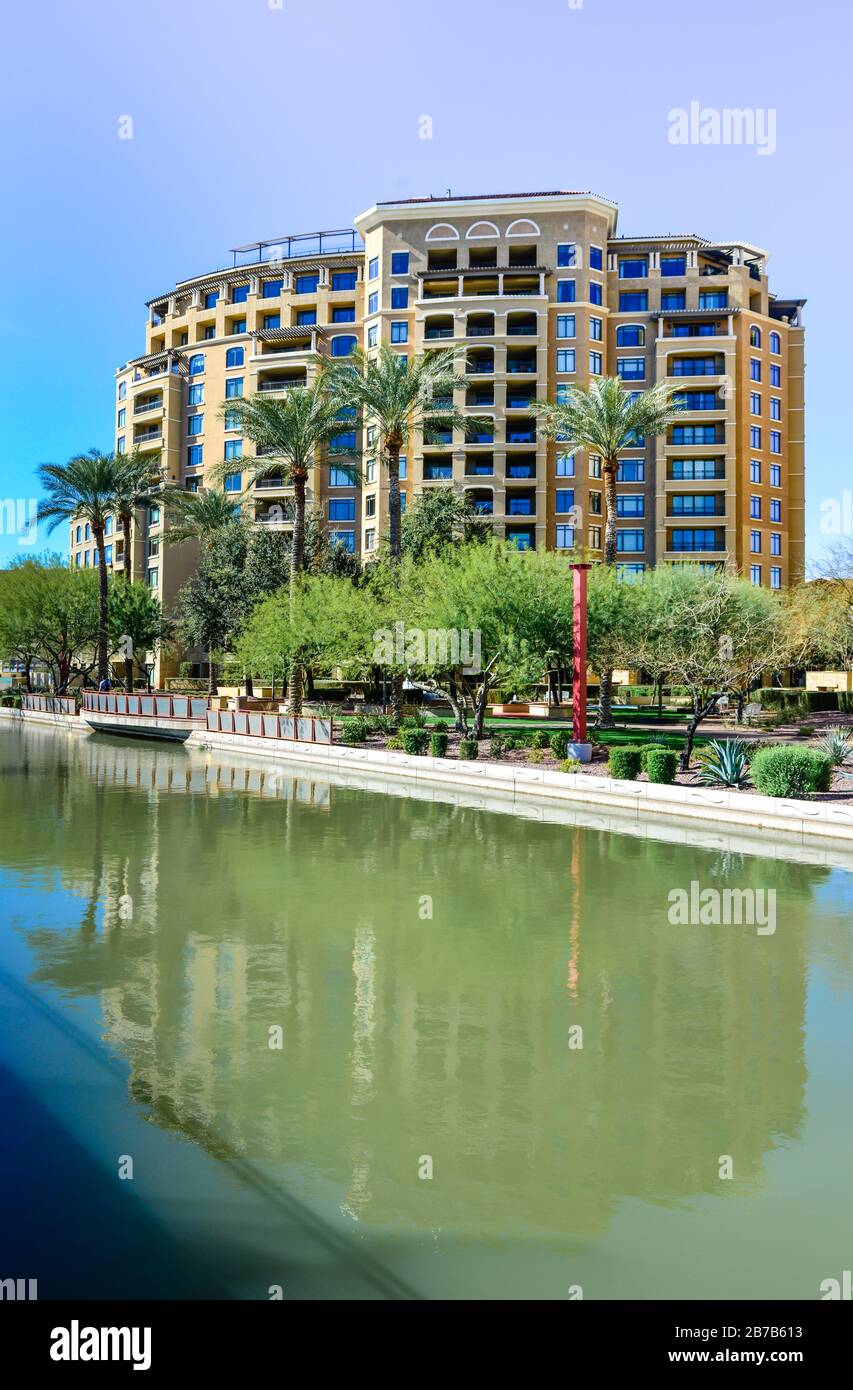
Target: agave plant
(724,763)
(837,744)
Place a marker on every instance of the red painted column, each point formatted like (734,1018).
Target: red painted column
(579,654)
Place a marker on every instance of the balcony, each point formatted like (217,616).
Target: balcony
(480,365)
(694,506)
(483,502)
(281,383)
(481,437)
(517,471)
(474,398)
(438,439)
(696,542)
(438,472)
(522,325)
(481,466)
(143,407)
(518,400)
(480,326)
(148,436)
(270,484)
(438,328)
(521,366)
(521,504)
(337,242)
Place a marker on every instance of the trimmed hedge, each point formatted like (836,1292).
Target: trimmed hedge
(794,697)
(560,744)
(790,771)
(438,745)
(625,763)
(661,764)
(354,729)
(468,749)
(648,748)
(415,741)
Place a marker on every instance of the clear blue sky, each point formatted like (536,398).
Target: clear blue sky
(256,118)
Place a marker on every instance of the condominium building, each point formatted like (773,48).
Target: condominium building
(538,293)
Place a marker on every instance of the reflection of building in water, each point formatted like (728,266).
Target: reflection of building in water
(446,1037)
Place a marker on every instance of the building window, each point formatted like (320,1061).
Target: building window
(775,475)
(196,364)
(695,434)
(233,388)
(755,337)
(595,330)
(234,357)
(631,505)
(755,402)
(630,335)
(595,503)
(153,577)
(565,499)
(307,284)
(594,466)
(775,408)
(565,537)
(775,343)
(306,318)
(755,470)
(343,313)
(211,299)
(633,268)
(195,424)
(272,288)
(566,254)
(755,574)
(239,294)
(191,485)
(566,360)
(209,332)
(594,534)
(631,368)
(195,454)
(775,577)
(238,326)
(595,363)
(272,320)
(339,477)
(755,542)
(343,279)
(775,509)
(342,509)
(370,506)
(234,481)
(634,302)
(565,291)
(565,466)
(775,374)
(232,420)
(400,263)
(595,293)
(775,542)
(631,471)
(373,335)
(122,390)
(399,332)
(627,541)
(234,450)
(755,436)
(373,268)
(399,297)
(196,394)
(754,369)
(373,302)
(596,258)
(342,347)
(714,299)
(775,442)
(673,299)
(755,508)
(153,516)
(565,325)
(673,265)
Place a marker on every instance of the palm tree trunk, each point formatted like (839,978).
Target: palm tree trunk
(395,538)
(605,689)
(103,651)
(128,673)
(126,523)
(297,562)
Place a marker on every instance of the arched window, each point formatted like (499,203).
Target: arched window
(482,231)
(631,335)
(775,343)
(342,346)
(234,357)
(755,337)
(196,363)
(523,226)
(442,231)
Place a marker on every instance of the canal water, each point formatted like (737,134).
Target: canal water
(262,1033)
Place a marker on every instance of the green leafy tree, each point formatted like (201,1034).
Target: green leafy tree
(136,623)
(212,604)
(50,613)
(85,489)
(604,418)
(439,517)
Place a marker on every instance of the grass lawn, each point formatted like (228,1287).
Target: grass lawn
(603,737)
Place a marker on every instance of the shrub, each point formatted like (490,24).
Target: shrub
(468,749)
(378,723)
(661,764)
(648,748)
(535,755)
(791,771)
(560,744)
(724,763)
(754,746)
(795,697)
(438,745)
(805,730)
(417,720)
(569,765)
(355,729)
(837,744)
(415,741)
(439,726)
(540,740)
(395,743)
(497,746)
(625,763)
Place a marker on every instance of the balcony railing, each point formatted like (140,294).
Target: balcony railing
(521,437)
(142,406)
(481,331)
(480,369)
(147,436)
(433,333)
(514,365)
(279,385)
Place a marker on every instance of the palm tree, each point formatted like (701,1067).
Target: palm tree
(605,418)
(287,433)
(85,489)
(142,473)
(397,396)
